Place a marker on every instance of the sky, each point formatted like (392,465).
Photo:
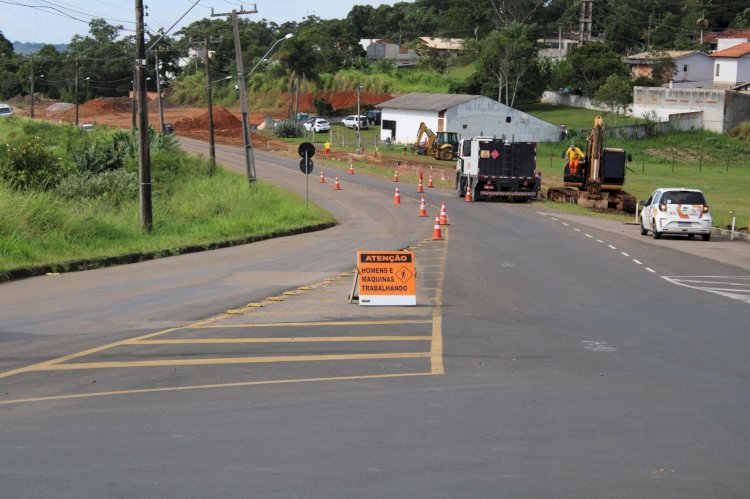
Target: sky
(52,21)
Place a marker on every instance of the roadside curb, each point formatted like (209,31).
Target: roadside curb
(95,263)
(728,233)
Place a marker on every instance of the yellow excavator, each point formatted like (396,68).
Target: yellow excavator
(441,145)
(599,179)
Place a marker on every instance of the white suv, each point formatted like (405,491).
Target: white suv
(5,110)
(354,121)
(676,211)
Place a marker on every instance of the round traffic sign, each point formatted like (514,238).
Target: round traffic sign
(306,168)
(306,148)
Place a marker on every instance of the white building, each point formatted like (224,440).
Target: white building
(732,66)
(468,115)
(690,65)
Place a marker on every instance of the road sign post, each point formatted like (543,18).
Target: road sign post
(306,151)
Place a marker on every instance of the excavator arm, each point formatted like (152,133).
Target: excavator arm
(424,130)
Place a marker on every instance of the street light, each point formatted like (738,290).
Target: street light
(286,37)
(249,159)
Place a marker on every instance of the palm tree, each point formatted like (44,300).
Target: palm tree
(302,60)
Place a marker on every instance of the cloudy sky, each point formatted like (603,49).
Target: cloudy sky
(56,21)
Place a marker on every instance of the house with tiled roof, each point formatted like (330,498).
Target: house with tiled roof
(690,65)
(732,66)
(720,40)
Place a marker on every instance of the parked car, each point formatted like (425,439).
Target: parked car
(317,125)
(168,128)
(354,121)
(374,116)
(676,211)
(6,110)
(87,127)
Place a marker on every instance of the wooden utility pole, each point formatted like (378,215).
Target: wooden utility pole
(249,159)
(76,91)
(144,157)
(31,83)
(158,91)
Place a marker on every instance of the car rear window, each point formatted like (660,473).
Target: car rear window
(683,197)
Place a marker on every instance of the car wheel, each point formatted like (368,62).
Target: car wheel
(655,233)
(706,237)
(644,230)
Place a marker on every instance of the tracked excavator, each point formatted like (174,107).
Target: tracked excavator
(597,181)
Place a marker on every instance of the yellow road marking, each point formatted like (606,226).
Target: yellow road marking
(436,347)
(212,386)
(308,339)
(225,360)
(304,324)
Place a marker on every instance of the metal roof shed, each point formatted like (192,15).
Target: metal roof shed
(469,115)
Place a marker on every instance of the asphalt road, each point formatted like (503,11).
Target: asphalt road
(550,356)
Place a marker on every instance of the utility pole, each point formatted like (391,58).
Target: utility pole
(158,91)
(359,122)
(249,159)
(209,100)
(144,157)
(31,82)
(76,91)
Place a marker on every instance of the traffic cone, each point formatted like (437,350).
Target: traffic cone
(395,175)
(443,215)
(420,187)
(429,181)
(397,197)
(422,208)
(437,233)
(351,168)
(322,177)
(468,194)
(337,185)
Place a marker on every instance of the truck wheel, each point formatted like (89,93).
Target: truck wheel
(461,187)
(706,237)
(446,155)
(644,231)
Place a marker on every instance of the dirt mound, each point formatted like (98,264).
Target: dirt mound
(223,120)
(341,100)
(107,105)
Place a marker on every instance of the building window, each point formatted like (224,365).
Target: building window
(717,69)
(507,119)
(464,126)
(684,68)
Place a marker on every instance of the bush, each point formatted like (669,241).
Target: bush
(29,165)
(113,187)
(98,154)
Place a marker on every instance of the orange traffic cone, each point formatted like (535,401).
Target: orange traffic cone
(429,181)
(437,233)
(468,194)
(397,197)
(322,177)
(422,208)
(337,185)
(420,187)
(395,175)
(443,215)
(351,169)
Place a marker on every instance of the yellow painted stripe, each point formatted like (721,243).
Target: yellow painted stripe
(207,387)
(436,348)
(312,324)
(225,361)
(314,339)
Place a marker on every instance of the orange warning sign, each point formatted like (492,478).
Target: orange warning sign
(387,278)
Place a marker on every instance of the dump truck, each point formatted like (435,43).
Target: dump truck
(441,145)
(492,168)
(599,180)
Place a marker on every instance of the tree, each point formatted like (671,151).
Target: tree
(302,60)
(616,94)
(587,67)
(10,83)
(507,55)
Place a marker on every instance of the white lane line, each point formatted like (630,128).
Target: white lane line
(566,224)
(735,294)
(577,230)
(589,236)
(612,247)
(623,253)
(651,270)
(600,241)
(553,218)
(637,262)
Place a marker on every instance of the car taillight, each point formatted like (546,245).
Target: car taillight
(662,207)
(705,208)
